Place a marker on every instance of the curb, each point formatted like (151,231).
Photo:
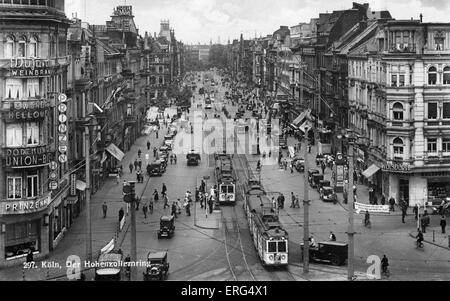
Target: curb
(206,228)
(429,242)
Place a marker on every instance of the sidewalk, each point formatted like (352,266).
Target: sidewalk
(103,229)
(202,218)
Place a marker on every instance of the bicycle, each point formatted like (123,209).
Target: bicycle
(419,244)
(385,272)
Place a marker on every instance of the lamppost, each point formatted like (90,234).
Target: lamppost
(90,122)
(350,138)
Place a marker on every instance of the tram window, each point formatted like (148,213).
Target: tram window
(281,246)
(230,189)
(223,189)
(272,247)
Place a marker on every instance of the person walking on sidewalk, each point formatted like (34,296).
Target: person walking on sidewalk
(135,164)
(425,221)
(174,209)
(210,204)
(118,178)
(105,209)
(154,151)
(166,201)
(131,167)
(156,196)
(416,212)
(164,189)
(157,134)
(403,213)
(323,166)
(150,206)
(148,145)
(391,204)
(145,210)
(121,214)
(443,224)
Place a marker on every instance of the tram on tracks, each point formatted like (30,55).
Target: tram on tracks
(269,237)
(225,179)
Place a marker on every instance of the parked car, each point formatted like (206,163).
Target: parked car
(327,194)
(329,251)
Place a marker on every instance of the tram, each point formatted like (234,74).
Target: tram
(269,237)
(226,183)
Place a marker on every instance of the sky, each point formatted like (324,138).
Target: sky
(200,21)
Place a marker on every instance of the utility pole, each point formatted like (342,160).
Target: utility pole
(306,204)
(88,195)
(351,231)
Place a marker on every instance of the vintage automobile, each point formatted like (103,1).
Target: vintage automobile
(312,172)
(168,137)
(157,266)
(109,268)
(164,149)
(327,194)
(316,178)
(329,251)
(166,227)
(299,164)
(323,183)
(169,144)
(155,169)
(193,158)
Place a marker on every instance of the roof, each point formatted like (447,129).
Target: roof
(110,257)
(156,256)
(166,218)
(334,243)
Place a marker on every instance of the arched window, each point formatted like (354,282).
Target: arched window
(22,47)
(398,111)
(32,48)
(9,48)
(432,76)
(446,75)
(398,146)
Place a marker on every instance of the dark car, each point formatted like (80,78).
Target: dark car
(166,227)
(193,158)
(316,178)
(299,164)
(329,251)
(323,183)
(155,169)
(327,194)
(157,266)
(312,172)
(164,149)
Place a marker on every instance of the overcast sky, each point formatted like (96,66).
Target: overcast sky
(202,20)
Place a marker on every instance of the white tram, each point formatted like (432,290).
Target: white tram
(271,240)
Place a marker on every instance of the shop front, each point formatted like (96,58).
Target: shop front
(438,186)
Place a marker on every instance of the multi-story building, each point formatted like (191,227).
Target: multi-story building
(34,185)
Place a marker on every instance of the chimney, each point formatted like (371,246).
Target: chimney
(421,17)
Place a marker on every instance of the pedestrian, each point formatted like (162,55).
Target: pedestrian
(29,257)
(175,159)
(309,149)
(118,178)
(145,210)
(188,208)
(292,200)
(403,214)
(196,194)
(210,204)
(274,203)
(138,201)
(332,236)
(135,164)
(425,221)
(139,153)
(154,151)
(171,159)
(105,209)
(174,209)
(131,167)
(121,214)
(156,196)
(383,200)
(291,166)
(166,201)
(148,145)
(375,200)
(416,212)
(282,200)
(150,206)
(164,189)
(138,175)
(391,204)
(157,134)
(323,166)
(443,224)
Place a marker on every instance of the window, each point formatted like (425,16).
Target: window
(432,76)
(32,48)
(446,145)
(281,247)
(432,145)
(398,146)
(32,186)
(432,110)
(33,88)
(394,81)
(21,49)
(231,189)
(14,188)
(446,78)
(32,133)
(14,135)
(9,48)
(272,247)
(401,80)
(446,110)
(398,111)
(13,88)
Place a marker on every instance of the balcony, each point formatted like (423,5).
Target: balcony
(437,157)
(25,206)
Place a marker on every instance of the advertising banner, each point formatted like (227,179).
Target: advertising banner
(362,208)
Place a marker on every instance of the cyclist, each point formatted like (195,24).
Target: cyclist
(384,265)
(419,239)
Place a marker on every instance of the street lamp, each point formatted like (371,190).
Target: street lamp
(90,122)
(347,135)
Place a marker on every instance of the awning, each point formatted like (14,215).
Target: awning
(115,151)
(306,126)
(371,171)
(81,185)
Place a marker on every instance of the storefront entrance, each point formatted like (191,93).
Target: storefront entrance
(404,190)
